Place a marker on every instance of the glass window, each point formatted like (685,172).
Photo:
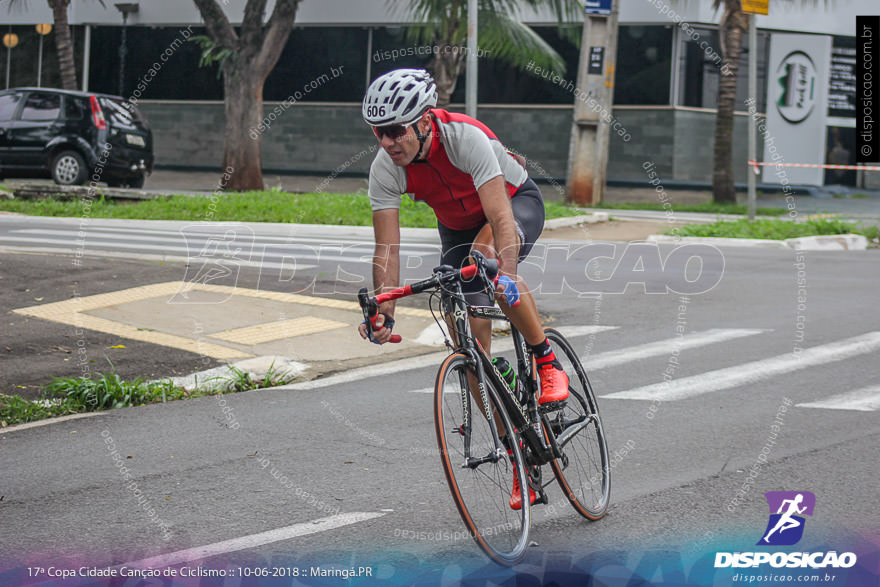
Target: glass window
(74,108)
(700,66)
(644,61)
(121,113)
(8,104)
(40,107)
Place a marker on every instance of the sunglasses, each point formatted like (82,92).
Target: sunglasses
(394,131)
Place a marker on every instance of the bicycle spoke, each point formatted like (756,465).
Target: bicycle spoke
(481,492)
(584,471)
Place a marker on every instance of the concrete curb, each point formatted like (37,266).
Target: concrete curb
(838,242)
(591,218)
(256,367)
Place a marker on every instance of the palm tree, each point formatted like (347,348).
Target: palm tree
(500,35)
(245,58)
(734,24)
(63,42)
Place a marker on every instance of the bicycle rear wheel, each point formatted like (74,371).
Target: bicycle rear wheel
(480,477)
(583,472)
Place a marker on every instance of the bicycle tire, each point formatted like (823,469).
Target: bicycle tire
(481,494)
(584,472)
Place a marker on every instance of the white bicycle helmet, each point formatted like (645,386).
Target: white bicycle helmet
(399,97)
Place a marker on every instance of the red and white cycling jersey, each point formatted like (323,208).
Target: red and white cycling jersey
(464,155)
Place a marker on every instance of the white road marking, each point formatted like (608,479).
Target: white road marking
(664,347)
(252,541)
(38,423)
(97,235)
(262,251)
(147,257)
(420,362)
(213,231)
(753,372)
(866,399)
(648,350)
(429,390)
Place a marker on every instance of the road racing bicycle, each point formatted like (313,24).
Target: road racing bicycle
(475,409)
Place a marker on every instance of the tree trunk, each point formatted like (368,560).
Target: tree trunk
(63,44)
(243,150)
(731,35)
(445,66)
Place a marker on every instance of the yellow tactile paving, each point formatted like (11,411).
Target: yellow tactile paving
(301,299)
(198,347)
(72,312)
(278,330)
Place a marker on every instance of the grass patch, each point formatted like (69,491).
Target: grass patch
(265,206)
(767,228)
(705,207)
(75,395)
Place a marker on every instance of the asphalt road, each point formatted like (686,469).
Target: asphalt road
(365,446)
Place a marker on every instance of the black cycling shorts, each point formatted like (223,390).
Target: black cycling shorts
(528,212)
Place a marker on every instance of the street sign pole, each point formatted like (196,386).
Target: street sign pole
(753,8)
(753,90)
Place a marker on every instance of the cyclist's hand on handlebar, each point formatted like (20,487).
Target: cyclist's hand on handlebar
(382,325)
(507,286)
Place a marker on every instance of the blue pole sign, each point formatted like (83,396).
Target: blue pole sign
(597,6)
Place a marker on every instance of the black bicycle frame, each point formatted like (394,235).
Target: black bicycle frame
(521,404)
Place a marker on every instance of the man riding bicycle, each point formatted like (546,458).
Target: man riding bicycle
(483,199)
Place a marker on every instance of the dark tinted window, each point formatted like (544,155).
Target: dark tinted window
(41,107)
(644,62)
(8,103)
(74,108)
(121,113)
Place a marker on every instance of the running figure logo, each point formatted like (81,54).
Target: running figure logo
(786,526)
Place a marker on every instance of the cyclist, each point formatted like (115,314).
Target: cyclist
(483,199)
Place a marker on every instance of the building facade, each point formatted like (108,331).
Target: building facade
(665,84)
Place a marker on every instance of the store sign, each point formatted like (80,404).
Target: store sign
(597,58)
(842,87)
(756,6)
(797,111)
(597,6)
(796,76)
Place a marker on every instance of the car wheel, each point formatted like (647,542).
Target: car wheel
(69,168)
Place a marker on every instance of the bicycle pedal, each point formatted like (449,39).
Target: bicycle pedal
(551,406)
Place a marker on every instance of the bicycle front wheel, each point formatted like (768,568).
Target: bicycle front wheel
(583,472)
(480,475)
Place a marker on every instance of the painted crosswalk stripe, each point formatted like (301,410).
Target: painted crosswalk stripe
(866,399)
(431,360)
(652,349)
(208,232)
(252,541)
(752,372)
(665,347)
(267,250)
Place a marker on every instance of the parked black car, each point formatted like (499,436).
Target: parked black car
(72,135)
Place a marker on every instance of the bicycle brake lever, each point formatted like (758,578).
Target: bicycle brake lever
(370,309)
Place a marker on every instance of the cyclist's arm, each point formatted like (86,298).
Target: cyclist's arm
(386,258)
(496,206)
